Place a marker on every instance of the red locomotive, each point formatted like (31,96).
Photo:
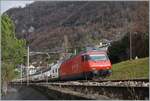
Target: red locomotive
(85,66)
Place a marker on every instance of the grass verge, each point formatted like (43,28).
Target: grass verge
(131,69)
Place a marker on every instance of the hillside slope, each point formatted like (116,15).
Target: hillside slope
(131,69)
(44,23)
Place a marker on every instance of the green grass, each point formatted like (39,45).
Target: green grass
(131,69)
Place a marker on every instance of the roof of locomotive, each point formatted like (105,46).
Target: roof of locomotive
(93,52)
(87,52)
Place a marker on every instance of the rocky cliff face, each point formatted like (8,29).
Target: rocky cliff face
(45,23)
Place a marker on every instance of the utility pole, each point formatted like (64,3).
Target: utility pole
(129,33)
(130,46)
(130,37)
(41,76)
(21,74)
(66,43)
(27,65)
(47,75)
(75,52)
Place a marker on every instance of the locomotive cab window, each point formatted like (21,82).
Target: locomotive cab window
(82,58)
(98,57)
(94,57)
(85,57)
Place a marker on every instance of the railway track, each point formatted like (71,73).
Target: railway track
(113,80)
(128,83)
(115,89)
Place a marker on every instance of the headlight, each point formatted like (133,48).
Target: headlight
(93,68)
(107,67)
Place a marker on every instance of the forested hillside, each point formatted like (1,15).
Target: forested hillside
(44,23)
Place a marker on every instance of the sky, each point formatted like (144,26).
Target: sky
(7,4)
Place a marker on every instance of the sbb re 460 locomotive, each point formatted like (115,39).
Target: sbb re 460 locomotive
(86,65)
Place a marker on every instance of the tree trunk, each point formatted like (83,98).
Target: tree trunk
(5,87)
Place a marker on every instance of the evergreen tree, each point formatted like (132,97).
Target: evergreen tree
(119,50)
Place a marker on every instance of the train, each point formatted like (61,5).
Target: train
(85,65)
